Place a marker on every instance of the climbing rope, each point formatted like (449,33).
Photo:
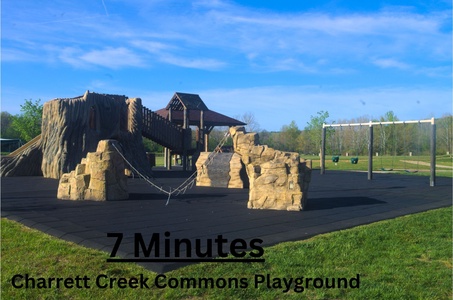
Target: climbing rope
(188,183)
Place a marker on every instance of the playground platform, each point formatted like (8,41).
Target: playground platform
(337,200)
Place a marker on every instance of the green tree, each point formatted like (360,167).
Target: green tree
(289,137)
(151,146)
(28,123)
(7,131)
(313,135)
(267,138)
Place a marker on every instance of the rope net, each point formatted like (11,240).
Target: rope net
(188,183)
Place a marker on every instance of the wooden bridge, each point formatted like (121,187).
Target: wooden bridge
(164,132)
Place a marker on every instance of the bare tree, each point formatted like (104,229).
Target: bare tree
(445,134)
(250,120)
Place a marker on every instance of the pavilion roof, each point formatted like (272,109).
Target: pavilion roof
(179,101)
(194,106)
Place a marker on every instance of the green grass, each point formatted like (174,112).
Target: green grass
(406,258)
(394,164)
(160,160)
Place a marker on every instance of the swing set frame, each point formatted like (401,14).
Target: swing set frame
(432,177)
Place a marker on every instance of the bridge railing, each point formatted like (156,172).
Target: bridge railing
(163,131)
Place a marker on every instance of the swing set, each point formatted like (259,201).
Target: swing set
(382,146)
(394,149)
(336,157)
(355,160)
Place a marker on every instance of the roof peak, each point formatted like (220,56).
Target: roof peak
(181,101)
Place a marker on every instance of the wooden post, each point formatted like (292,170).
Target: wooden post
(207,131)
(167,155)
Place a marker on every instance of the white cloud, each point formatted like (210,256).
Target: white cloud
(215,31)
(163,53)
(390,63)
(112,58)
(194,63)
(69,56)
(11,55)
(152,46)
(321,33)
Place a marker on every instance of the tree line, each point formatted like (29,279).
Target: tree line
(393,139)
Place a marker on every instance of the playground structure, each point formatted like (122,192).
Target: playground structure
(73,127)
(185,110)
(370,124)
(89,142)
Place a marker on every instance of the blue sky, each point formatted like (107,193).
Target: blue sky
(280,60)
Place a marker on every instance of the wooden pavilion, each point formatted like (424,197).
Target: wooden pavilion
(188,110)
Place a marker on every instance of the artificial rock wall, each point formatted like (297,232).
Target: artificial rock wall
(100,176)
(225,170)
(276,179)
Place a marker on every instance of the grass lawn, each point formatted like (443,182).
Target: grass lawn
(416,165)
(405,258)
(393,164)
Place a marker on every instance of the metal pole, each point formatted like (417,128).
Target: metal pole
(432,177)
(379,123)
(323,150)
(370,154)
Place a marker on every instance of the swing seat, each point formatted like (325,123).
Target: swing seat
(335,158)
(354,160)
